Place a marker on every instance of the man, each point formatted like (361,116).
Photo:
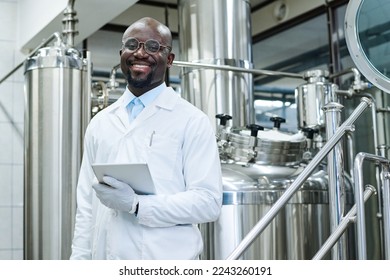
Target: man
(177,142)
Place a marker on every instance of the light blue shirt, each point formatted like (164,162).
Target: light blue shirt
(146,98)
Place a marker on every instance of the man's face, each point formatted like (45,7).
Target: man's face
(143,70)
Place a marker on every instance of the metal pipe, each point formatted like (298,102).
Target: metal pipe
(55,35)
(268,217)
(112,83)
(227,44)
(336,173)
(377,151)
(236,69)
(357,82)
(351,154)
(374,120)
(386,211)
(382,150)
(337,233)
(346,71)
(86,97)
(361,224)
(69,24)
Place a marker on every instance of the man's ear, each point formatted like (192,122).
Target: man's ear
(171,57)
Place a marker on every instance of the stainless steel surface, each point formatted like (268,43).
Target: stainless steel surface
(336,171)
(386,211)
(318,109)
(281,202)
(279,152)
(54,81)
(249,195)
(228,42)
(86,111)
(104,94)
(345,222)
(311,97)
(268,148)
(255,176)
(359,200)
(236,69)
(69,24)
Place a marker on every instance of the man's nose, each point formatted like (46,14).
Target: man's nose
(141,50)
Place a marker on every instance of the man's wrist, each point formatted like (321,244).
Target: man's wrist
(134,207)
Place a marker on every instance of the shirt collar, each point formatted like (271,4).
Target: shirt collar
(146,98)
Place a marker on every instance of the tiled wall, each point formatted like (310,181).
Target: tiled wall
(11,137)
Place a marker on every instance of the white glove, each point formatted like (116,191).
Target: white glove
(116,195)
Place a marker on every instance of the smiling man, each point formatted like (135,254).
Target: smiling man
(145,55)
(150,123)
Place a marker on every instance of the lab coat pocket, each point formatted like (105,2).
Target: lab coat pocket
(162,156)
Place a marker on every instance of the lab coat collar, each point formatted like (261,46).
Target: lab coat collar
(167,100)
(146,98)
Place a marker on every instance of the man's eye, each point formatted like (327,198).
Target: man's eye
(153,46)
(131,45)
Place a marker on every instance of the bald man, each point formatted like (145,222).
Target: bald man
(150,123)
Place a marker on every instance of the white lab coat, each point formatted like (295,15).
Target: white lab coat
(183,159)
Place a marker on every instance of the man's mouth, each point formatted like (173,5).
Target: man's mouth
(139,66)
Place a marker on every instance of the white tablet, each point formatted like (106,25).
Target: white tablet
(137,175)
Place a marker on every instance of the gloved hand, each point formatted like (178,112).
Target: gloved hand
(116,195)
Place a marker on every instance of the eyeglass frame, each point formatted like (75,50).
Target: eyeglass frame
(143,46)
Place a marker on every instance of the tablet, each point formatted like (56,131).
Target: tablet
(137,175)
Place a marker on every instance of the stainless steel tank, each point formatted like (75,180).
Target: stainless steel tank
(55,119)
(253,182)
(311,97)
(297,231)
(217,32)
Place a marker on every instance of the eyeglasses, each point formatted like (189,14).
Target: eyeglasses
(150,46)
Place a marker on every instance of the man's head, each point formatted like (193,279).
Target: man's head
(146,54)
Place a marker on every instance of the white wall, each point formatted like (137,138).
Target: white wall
(41,18)
(11,137)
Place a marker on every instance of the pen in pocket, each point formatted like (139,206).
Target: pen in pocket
(151,138)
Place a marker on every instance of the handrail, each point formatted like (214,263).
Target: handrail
(386,212)
(268,217)
(344,223)
(55,35)
(237,69)
(361,225)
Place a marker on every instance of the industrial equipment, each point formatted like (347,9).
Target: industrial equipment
(57,112)
(285,196)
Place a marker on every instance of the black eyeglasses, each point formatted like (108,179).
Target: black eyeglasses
(150,46)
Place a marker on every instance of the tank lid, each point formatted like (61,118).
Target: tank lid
(316,74)
(55,57)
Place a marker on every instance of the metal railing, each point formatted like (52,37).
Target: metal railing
(359,200)
(236,69)
(349,218)
(346,127)
(282,201)
(357,212)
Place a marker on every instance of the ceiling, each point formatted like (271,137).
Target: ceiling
(159,8)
